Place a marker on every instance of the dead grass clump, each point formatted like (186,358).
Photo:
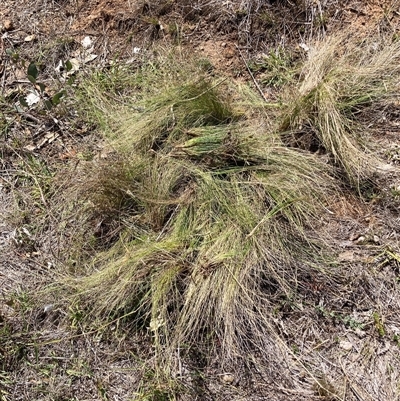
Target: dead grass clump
(219,218)
(340,78)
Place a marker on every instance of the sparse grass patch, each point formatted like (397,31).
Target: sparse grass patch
(275,69)
(155,386)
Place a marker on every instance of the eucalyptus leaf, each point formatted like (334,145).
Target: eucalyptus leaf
(68,65)
(55,100)
(14,55)
(33,71)
(42,87)
(32,79)
(23,102)
(71,80)
(48,104)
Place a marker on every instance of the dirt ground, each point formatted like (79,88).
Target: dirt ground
(350,352)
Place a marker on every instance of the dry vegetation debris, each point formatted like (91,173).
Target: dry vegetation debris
(172,232)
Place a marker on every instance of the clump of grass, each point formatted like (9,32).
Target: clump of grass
(276,68)
(220,213)
(340,78)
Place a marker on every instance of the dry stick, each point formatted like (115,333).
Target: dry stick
(3,83)
(251,74)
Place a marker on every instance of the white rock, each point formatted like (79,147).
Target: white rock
(87,42)
(346,345)
(227,378)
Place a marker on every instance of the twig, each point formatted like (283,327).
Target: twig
(20,81)
(3,83)
(31,117)
(252,76)
(179,362)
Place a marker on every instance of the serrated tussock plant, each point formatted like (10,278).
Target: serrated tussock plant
(340,78)
(220,211)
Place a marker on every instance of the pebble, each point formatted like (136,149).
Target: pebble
(360,240)
(360,332)
(346,345)
(227,378)
(8,25)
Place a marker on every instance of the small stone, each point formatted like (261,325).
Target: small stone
(360,332)
(346,345)
(360,240)
(304,47)
(86,42)
(30,38)
(353,236)
(346,256)
(8,25)
(227,378)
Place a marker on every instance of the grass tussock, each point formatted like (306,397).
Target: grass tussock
(340,78)
(219,209)
(214,216)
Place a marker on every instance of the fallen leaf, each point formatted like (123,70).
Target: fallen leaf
(89,58)
(32,98)
(49,137)
(75,65)
(68,155)
(30,148)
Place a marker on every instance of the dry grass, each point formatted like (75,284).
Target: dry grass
(219,213)
(192,241)
(202,225)
(340,78)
